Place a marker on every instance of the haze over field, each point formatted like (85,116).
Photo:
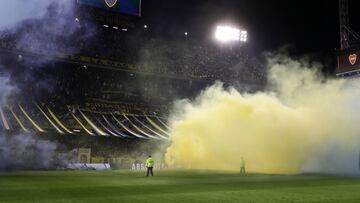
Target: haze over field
(303,123)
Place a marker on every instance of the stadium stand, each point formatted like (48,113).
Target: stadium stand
(115,85)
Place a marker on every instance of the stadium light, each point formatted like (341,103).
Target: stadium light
(106,26)
(226,34)
(243,36)
(145,26)
(186,33)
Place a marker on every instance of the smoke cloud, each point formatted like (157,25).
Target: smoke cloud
(303,123)
(47,28)
(23,150)
(16,11)
(5,89)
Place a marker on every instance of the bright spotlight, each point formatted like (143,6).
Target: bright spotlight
(227,34)
(186,33)
(243,36)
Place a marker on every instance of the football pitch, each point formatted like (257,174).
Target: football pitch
(173,186)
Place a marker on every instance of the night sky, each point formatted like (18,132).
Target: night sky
(311,27)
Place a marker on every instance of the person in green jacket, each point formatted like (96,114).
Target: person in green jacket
(150,165)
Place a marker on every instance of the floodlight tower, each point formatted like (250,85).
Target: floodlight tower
(348,63)
(344,23)
(346,33)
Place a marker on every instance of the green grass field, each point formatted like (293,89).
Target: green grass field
(173,186)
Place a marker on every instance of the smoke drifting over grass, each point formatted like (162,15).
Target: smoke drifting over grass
(303,123)
(24,150)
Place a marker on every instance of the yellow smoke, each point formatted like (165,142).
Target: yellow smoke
(303,122)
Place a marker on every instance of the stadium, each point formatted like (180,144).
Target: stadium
(91,90)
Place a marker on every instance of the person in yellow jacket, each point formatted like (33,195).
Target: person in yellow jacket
(150,165)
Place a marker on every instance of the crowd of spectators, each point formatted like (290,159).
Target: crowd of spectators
(180,58)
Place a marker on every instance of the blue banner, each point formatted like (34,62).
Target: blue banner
(129,7)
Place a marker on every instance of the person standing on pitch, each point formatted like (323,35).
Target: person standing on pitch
(150,165)
(242,166)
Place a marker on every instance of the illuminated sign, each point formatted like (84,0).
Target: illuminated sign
(110,3)
(352,59)
(348,62)
(129,7)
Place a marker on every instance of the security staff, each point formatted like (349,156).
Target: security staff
(242,166)
(149,165)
